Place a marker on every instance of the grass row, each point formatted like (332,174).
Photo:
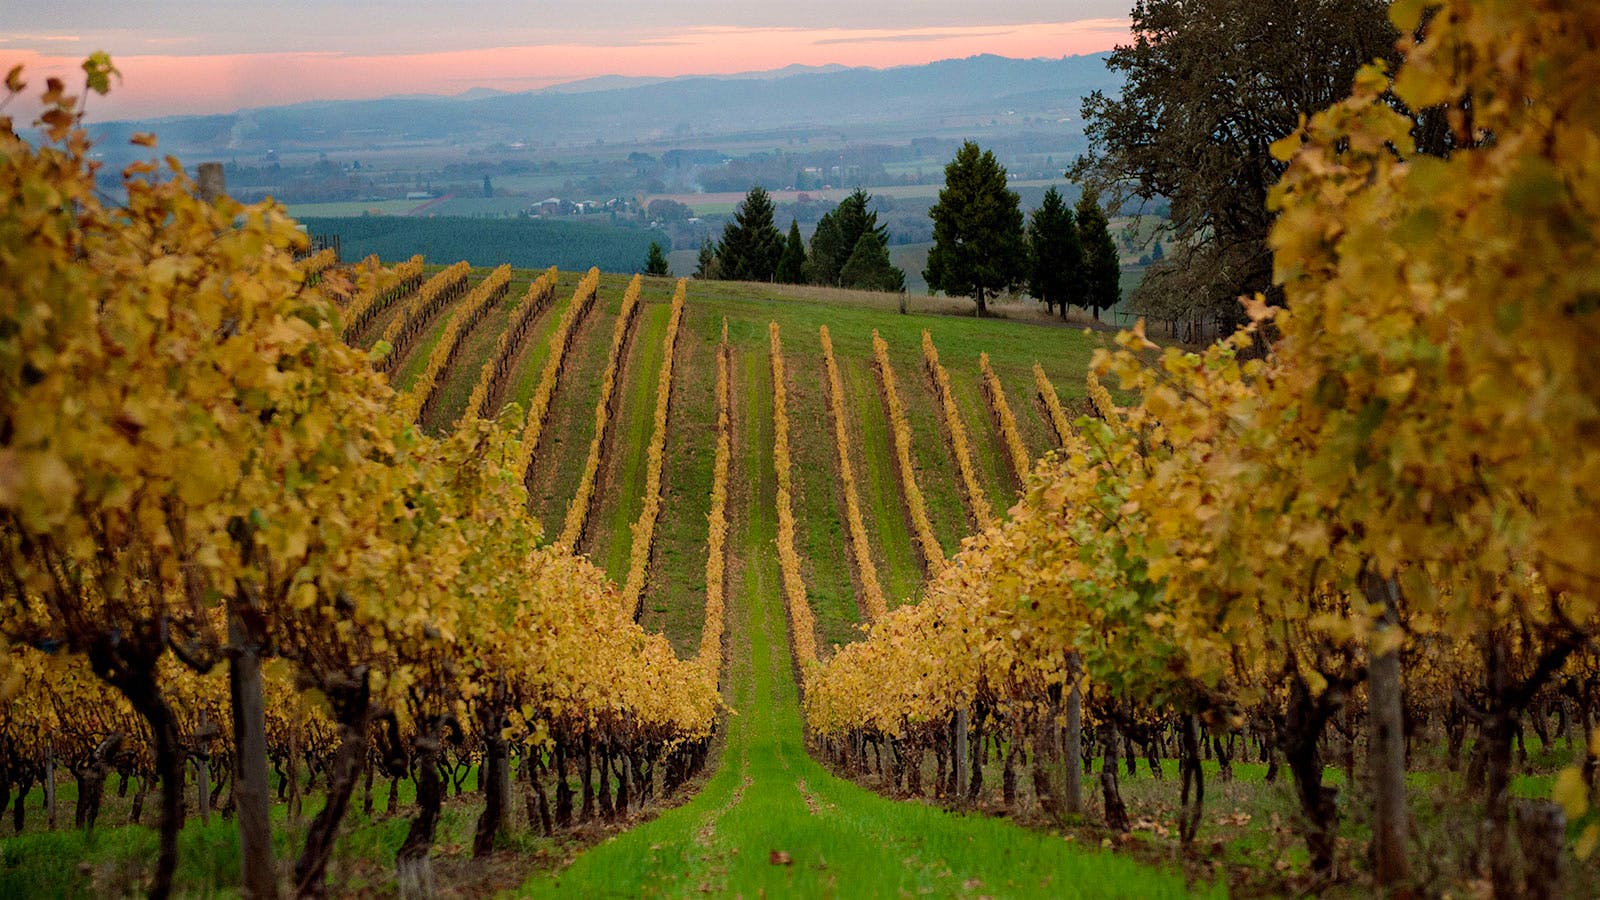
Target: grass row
(860,546)
(642,532)
(604,409)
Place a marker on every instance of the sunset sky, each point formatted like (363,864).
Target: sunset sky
(200,56)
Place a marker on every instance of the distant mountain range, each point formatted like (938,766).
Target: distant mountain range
(622,109)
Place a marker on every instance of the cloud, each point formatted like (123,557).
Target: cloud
(15,38)
(913,38)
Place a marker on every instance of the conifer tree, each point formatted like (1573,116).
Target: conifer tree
(839,232)
(706,263)
(1102,268)
(978,246)
(656,264)
(792,265)
(751,245)
(1055,255)
(869,267)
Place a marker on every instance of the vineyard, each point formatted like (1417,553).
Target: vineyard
(425,578)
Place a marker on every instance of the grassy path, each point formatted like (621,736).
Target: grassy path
(620,481)
(768,796)
(882,510)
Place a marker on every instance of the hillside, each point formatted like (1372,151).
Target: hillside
(691,106)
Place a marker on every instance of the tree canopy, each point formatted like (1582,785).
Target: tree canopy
(751,244)
(1055,254)
(978,246)
(838,232)
(656,263)
(1210,86)
(1102,268)
(792,264)
(869,267)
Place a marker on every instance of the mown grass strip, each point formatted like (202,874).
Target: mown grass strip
(578,509)
(860,548)
(995,394)
(802,623)
(645,528)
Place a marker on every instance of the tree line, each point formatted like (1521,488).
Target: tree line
(982,245)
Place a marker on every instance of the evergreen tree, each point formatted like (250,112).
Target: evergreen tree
(792,265)
(838,234)
(706,266)
(1055,255)
(1102,269)
(826,256)
(978,246)
(656,264)
(751,245)
(869,267)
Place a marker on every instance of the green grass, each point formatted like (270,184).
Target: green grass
(622,470)
(675,592)
(768,795)
(882,511)
(536,349)
(564,445)
(819,498)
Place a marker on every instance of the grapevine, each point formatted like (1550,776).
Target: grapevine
(932,555)
(860,548)
(644,528)
(996,395)
(977,501)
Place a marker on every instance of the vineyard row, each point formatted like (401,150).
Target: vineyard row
(440,291)
(860,548)
(488,293)
(995,394)
(956,432)
(916,506)
(560,344)
(709,659)
(644,530)
(495,372)
(387,287)
(604,412)
(802,622)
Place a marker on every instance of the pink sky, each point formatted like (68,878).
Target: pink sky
(156,84)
